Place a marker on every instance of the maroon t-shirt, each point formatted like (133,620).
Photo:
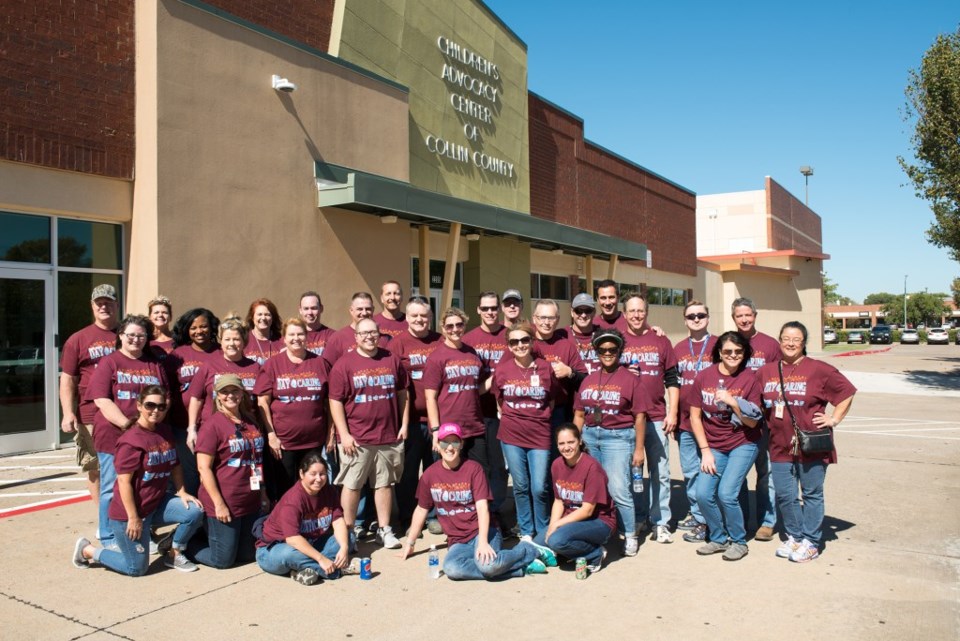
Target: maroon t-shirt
(455,374)
(212,370)
(317,339)
(79,358)
(299,512)
(368,387)
(150,457)
(810,386)
(525,395)
(766,349)
(618,323)
(120,379)
(298,399)
(585,482)
(588,354)
(721,433)
(391,328)
(692,356)
(619,395)
(344,341)
(490,347)
(261,351)
(652,355)
(181,366)
(413,353)
(161,349)
(236,450)
(560,349)
(454,493)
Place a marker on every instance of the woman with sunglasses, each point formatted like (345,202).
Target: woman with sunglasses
(114,387)
(724,416)
(799,387)
(525,388)
(159,311)
(610,410)
(459,492)
(230,458)
(146,463)
(582,518)
(264,331)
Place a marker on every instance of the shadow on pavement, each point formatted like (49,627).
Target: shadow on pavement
(936,380)
(832,525)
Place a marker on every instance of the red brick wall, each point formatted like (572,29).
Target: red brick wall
(789,217)
(306,21)
(67,84)
(576,183)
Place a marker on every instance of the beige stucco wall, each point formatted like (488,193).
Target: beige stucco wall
(33,189)
(235,199)
(731,223)
(399,40)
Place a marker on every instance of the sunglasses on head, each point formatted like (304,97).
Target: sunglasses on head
(151,406)
(696,317)
(513,342)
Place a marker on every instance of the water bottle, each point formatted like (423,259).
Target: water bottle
(433,563)
(636,474)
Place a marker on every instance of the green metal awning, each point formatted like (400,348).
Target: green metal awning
(376,195)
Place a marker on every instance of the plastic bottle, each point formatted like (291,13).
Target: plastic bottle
(433,563)
(723,407)
(636,474)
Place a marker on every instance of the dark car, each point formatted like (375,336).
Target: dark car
(880,334)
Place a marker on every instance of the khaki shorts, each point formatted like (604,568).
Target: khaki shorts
(86,452)
(374,465)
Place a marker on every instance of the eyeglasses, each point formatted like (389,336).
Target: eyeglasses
(696,317)
(513,342)
(104,303)
(230,391)
(731,352)
(608,351)
(791,341)
(373,333)
(150,406)
(545,318)
(583,311)
(450,326)
(456,445)
(136,337)
(492,308)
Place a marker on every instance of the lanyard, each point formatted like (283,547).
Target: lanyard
(703,348)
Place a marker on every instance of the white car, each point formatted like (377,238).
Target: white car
(910,336)
(937,336)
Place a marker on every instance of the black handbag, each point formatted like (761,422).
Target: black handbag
(813,442)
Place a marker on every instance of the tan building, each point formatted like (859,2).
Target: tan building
(765,245)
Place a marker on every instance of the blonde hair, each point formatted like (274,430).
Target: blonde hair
(232,321)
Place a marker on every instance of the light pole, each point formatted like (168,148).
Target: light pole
(905,301)
(807,171)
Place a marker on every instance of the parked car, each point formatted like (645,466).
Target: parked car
(937,336)
(880,334)
(856,336)
(830,336)
(911,336)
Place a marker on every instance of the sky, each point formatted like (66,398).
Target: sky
(715,96)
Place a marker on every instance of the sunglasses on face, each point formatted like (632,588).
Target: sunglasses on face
(150,406)
(494,308)
(607,351)
(513,342)
(456,445)
(583,311)
(450,326)
(696,317)
(731,352)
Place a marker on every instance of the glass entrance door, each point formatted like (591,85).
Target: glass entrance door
(28,410)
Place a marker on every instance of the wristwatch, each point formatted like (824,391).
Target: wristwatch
(434,430)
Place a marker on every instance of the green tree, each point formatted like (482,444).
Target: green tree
(921,308)
(830,294)
(882,298)
(955,290)
(933,101)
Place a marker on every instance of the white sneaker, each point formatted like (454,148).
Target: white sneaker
(526,538)
(631,545)
(788,547)
(807,551)
(387,538)
(663,534)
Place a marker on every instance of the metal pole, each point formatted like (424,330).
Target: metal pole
(904,301)
(806,190)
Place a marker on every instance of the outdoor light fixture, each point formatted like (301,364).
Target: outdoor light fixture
(473,236)
(557,252)
(282,84)
(388,220)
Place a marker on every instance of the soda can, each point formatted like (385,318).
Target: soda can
(365,572)
(582,571)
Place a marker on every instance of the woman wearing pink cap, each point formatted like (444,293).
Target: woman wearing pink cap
(458,490)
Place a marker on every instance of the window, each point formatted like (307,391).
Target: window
(547,286)
(436,274)
(666,296)
(87,244)
(25,239)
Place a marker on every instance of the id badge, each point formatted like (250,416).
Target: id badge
(534,380)
(256,475)
(778,409)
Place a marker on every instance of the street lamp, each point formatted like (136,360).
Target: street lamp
(807,171)
(905,301)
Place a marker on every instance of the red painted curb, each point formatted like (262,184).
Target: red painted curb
(45,506)
(861,352)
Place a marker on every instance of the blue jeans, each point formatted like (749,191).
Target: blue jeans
(188,462)
(732,468)
(108,478)
(690,464)
(613,449)
(227,543)
(656,508)
(801,521)
(581,538)
(765,494)
(281,558)
(461,563)
(133,559)
(530,470)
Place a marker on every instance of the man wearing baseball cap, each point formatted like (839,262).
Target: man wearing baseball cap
(512,305)
(582,310)
(458,489)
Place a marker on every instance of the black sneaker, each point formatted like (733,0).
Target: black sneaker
(697,535)
(688,523)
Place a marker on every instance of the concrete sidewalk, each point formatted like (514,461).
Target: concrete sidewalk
(889,570)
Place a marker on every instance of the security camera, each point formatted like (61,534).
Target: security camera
(282,84)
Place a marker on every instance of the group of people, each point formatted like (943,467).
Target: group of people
(284,442)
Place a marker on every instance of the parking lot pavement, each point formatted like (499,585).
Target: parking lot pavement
(889,570)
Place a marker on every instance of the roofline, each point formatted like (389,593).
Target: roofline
(769,254)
